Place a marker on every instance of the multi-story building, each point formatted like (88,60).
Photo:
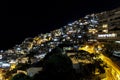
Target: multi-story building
(109,25)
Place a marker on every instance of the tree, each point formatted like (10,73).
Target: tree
(109,48)
(56,67)
(56,50)
(9,73)
(22,66)
(97,65)
(21,76)
(65,44)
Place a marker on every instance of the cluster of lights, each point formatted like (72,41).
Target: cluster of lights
(92,31)
(107,35)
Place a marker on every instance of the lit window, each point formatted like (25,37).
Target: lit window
(106,31)
(105,26)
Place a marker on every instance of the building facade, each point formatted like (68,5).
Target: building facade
(109,25)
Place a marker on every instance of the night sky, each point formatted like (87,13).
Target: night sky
(30,18)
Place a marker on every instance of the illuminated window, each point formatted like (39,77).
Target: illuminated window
(105,31)
(105,26)
(114,35)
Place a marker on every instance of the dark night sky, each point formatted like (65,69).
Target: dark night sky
(29,18)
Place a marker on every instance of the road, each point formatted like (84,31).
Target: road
(114,72)
(112,65)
